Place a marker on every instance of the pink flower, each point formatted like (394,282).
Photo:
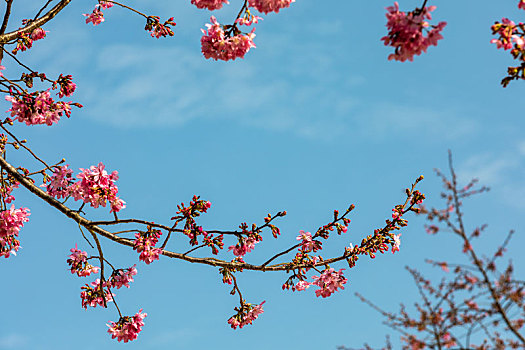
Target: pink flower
(397,243)
(246,315)
(127,328)
(302,285)
(96,17)
(308,244)
(209,4)
(2,68)
(329,282)
(266,6)
(105,4)
(217,44)
(248,20)
(245,246)
(67,87)
(145,244)
(12,220)
(38,34)
(406,32)
(122,277)
(60,180)
(521,5)
(158,29)
(37,108)
(79,263)
(9,245)
(97,187)
(93,295)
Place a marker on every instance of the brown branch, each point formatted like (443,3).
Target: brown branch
(4,38)
(6,16)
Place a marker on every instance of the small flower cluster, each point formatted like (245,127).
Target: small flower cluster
(209,4)
(145,244)
(122,277)
(97,16)
(38,108)
(188,214)
(7,186)
(25,40)
(308,244)
(329,282)
(11,221)
(127,328)
(406,32)
(265,6)
(95,295)
(97,187)
(511,36)
(245,245)
(67,87)
(158,29)
(221,45)
(59,183)
(246,315)
(79,263)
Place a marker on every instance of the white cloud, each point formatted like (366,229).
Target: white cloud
(12,341)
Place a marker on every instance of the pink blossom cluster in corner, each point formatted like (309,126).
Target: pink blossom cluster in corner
(406,32)
(11,221)
(217,44)
(38,34)
(127,328)
(93,295)
(79,263)
(209,4)
(38,108)
(265,6)
(97,16)
(521,4)
(246,317)
(145,244)
(329,282)
(122,277)
(245,246)
(97,187)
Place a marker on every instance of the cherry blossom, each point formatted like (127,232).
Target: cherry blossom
(93,295)
(406,32)
(38,34)
(123,277)
(127,328)
(302,285)
(245,246)
(521,4)
(247,315)
(308,244)
(79,263)
(158,29)
(217,44)
(209,4)
(506,30)
(67,87)
(60,181)
(96,17)
(145,244)
(12,220)
(9,245)
(38,108)
(329,282)
(397,243)
(266,6)
(97,187)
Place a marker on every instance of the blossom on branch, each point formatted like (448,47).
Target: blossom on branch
(96,17)
(122,277)
(145,244)
(127,328)
(79,263)
(158,29)
(209,4)
(221,45)
(246,315)
(406,32)
(60,181)
(265,6)
(95,295)
(38,108)
(329,282)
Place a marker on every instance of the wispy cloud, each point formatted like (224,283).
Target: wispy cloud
(12,341)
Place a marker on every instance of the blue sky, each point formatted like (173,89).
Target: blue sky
(313,119)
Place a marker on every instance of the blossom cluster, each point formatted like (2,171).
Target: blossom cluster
(127,328)
(145,244)
(67,87)
(11,221)
(265,6)
(245,245)
(406,32)
(95,186)
(246,315)
(328,282)
(221,45)
(78,261)
(38,108)
(95,294)
(97,16)
(158,29)
(122,277)
(209,4)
